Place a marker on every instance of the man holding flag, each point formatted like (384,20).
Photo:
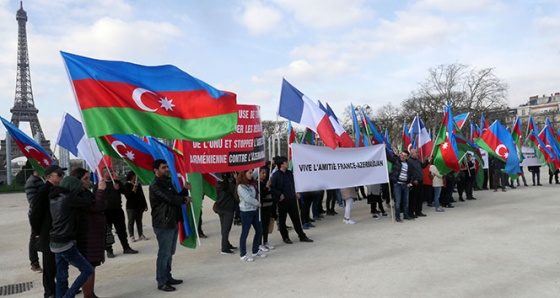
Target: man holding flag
(166,214)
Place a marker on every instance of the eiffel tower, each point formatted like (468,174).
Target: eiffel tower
(24,107)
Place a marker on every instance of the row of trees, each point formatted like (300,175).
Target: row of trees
(478,91)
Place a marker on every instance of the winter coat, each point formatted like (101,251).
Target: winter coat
(225,201)
(63,204)
(135,200)
(165,203)
(91,227)
(40,217)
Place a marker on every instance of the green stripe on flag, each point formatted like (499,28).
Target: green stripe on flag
(106,121)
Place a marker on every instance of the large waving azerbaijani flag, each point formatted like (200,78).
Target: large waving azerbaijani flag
(37,156)
(119,97)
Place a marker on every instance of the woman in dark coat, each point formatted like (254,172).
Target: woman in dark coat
(91,227)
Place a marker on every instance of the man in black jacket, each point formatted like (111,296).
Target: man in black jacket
(401,178)
(32,185)
(166,213)
(41,224)
(284,193)
(416,196)
(225,206)
(114,212)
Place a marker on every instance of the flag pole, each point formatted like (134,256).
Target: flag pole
(194,222)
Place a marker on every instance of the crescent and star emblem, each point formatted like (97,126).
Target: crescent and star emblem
(167,104)
(503,153)
(29,148)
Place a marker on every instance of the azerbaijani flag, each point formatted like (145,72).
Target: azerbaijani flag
(461,119)
(37,156)
(446,153)
(516,135)
(496,140)
(406,142)
(132,150)
(118,97)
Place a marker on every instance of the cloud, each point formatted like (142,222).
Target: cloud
(459,6)
(327,13)
(547,24)
(259,18)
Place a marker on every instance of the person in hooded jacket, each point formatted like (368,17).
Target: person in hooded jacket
(225,206)
(64,201)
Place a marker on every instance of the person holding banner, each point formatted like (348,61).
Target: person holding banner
(401,177)
(284,192)
(249,207)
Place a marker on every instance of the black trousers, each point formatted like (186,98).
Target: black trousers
(536,173)
(375,202)
(33,247)
(289,207)
(266,213)
(429,194)
(226,221)
(499,178)
(469,186)
(306,207)
(115,217)
(331,199)
(415,199)
(550,174)
(49,273)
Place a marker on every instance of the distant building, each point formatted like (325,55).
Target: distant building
(541,107)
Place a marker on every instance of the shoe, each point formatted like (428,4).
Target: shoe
(539,184)
(503,190)
(246,258)
(310,225)
(305,226)
(270,247)
(409,218)
(259,254)
(330,212)
(35,267)
(414,216)
(312,219)
(173,281)
(232,247)
(335,213)
(421,214)
(305,239)
(227,252)
(288,241)
(376,216)
(527,185)
(201,235)
(130,251)
(461,199)
(449,206)
(430,205)
(385,215)
(439,209)
(473,198)
(110,254)
(143,238)
(398,220)
(495,190)
(348,221)
(452,201)
(263,248)
(289,227)
(131,239)
(237,222)
(166,288)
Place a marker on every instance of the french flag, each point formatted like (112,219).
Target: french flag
(423,141)
(344,139)
(297,107)
(72,137)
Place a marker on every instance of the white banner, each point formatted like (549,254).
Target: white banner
(484,158)
(530,157)
(320,168)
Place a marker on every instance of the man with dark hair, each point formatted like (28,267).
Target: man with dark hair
(284,193)
(32,185)
(401,178)
(114,212)
(166,213)
(41,224)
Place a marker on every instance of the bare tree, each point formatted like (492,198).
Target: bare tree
(469,90)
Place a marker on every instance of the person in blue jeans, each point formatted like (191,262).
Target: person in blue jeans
(401,177)
(249,210)
(166,213)
(63,204)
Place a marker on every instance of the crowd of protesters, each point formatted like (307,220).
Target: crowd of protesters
(72,225)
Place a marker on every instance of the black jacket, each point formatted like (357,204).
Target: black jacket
(165,203)
(40,217)
(225,202)
(417,166)
(283,184)
(63,204)
(32,186)
(396,171)
(113,196)
(135,200)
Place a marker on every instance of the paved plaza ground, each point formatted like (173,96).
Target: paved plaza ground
(501,245)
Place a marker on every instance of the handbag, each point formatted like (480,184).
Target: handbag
(271,225)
